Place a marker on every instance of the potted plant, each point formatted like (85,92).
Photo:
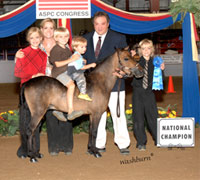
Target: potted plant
(183,6)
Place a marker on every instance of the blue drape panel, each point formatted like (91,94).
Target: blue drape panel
(18,23)
(191,98)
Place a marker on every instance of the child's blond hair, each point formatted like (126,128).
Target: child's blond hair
(61,30)
(33,30)
(146,41)
(77,40)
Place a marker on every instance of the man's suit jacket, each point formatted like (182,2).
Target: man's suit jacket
(112,40)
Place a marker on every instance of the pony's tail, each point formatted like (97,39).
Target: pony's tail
(24,120)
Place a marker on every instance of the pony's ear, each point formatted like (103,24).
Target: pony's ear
(136,57)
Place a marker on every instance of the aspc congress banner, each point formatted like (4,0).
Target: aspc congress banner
(57,9)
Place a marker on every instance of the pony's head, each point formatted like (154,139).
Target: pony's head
(128,64)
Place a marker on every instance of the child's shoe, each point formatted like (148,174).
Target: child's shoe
(74,114)
(84,96)
(59,115)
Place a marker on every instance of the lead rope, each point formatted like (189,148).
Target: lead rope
(118,100)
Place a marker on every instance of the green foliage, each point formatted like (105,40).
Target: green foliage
(109,124)
(184,6)
(129,118)
(81,125)
(44,127)
(197,125)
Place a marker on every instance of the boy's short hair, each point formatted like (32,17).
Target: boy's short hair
(77,40)
(146,41)
(31,31)
(61,30)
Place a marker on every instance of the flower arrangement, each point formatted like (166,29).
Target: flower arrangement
(9,121)
(167,112)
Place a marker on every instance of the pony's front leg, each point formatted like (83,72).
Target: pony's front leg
(94,122)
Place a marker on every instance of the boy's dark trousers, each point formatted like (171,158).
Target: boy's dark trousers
(144,108)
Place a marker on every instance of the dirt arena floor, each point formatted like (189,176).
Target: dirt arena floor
(153,164)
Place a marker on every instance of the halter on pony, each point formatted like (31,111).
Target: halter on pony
(121,69)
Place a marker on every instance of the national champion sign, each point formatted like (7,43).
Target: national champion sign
(57,9)
(175,132)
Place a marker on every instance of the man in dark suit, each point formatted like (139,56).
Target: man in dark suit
(101,43)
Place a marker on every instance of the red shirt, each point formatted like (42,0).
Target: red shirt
(33,62)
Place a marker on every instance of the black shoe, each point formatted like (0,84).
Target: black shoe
(125,151)
(141,147)
(101,149)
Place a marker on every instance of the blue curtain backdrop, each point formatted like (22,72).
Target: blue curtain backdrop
(191,98)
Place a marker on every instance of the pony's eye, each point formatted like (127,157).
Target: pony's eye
(125,59)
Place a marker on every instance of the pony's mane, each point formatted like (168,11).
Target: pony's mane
(100,65)
(97,73)
(104,62)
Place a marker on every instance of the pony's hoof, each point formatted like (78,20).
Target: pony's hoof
(22,157)
(40,156)
(33,160)
(97,155)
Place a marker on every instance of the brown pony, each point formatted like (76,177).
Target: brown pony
(43,93)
